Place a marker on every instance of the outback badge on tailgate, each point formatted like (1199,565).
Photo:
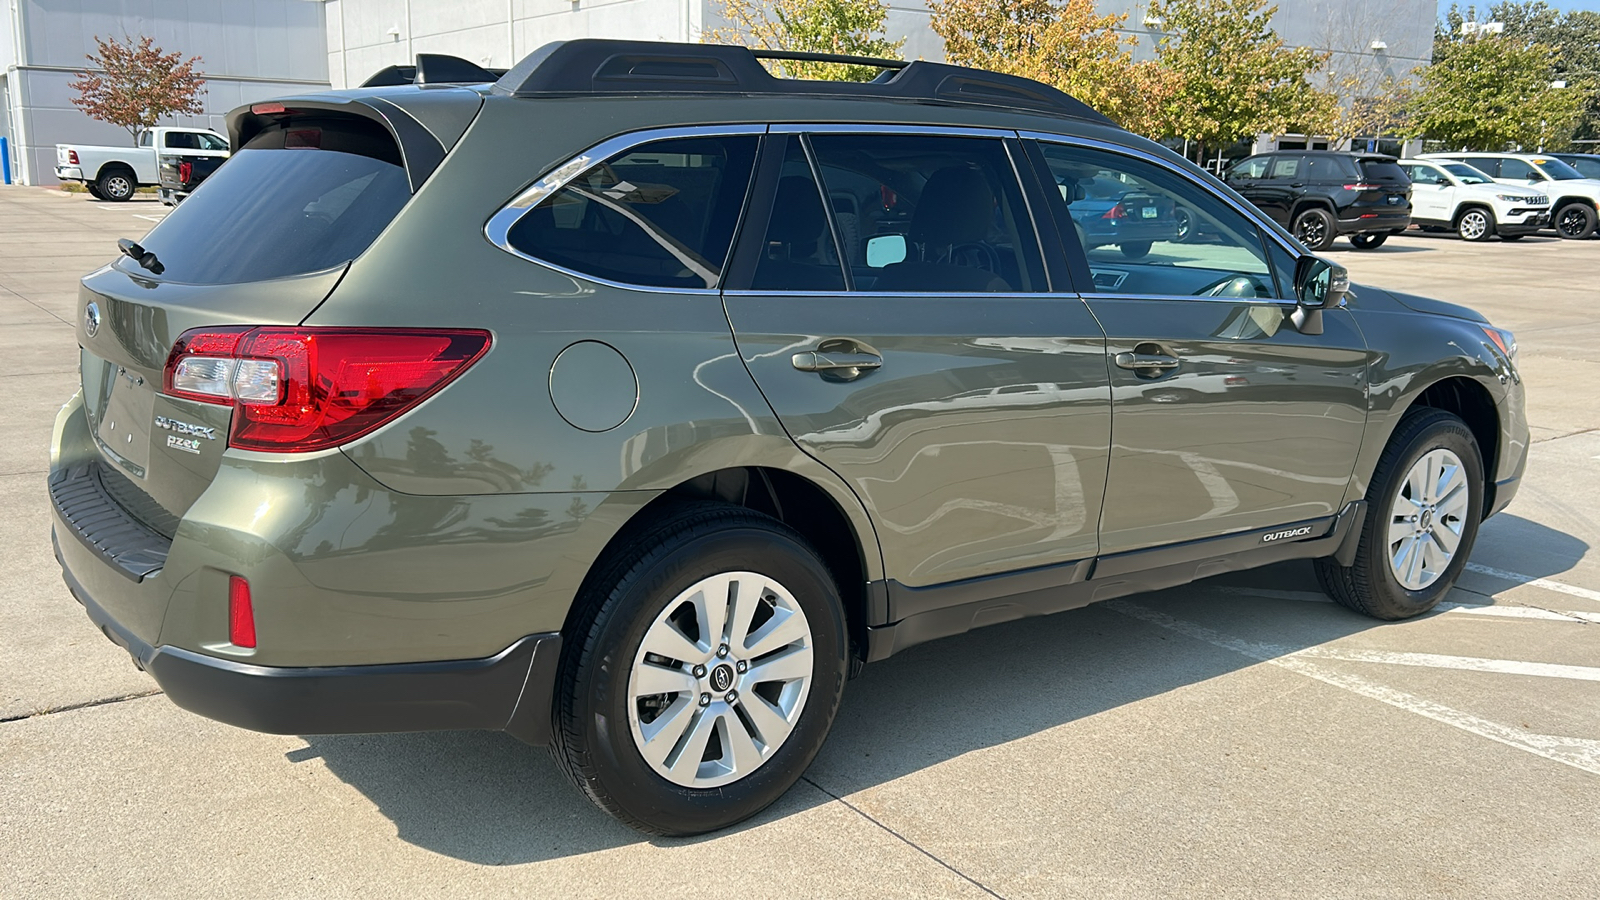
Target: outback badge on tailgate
(188,444)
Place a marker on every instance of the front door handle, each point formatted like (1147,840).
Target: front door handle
(842,360)
(1145,363)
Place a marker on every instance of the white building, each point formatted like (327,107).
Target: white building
(249,49)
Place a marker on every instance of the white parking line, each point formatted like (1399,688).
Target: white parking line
(1464,663)
(1474,609)
(1545,583)
(1579,753)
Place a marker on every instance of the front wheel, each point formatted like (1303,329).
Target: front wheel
(1575,221)
(1315,229)
(1368,241)
(1425,504)
(1184,226)
(704,673)
(1475,225)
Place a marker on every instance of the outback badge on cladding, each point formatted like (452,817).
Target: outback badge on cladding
(1286,534)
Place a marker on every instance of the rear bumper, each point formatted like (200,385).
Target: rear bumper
(1381,222)
(69,173)
(509,691)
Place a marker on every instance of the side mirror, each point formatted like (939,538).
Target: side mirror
(886,250)
(1318,285)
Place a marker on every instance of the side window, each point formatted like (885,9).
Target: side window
(1423,174)
(661,214)
(147,139)
(1488,165)
(1517,170)
(1133,238)
(1285,168)
(1323,168)
(928,213)
(182,140)
(211,142)
(1251,169)
(798,253)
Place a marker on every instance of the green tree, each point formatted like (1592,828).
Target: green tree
(1064,43)
(1575,38)
(851,27)
(136,84)
(1494,91)
(1235,76)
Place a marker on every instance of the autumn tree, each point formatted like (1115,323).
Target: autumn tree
(849,27)
(1064,43)
(136,84)
(1489,91)
(1235,76)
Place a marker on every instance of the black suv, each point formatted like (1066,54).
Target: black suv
(1320,195)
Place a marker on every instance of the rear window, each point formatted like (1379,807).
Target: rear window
(1383,170)
(299,198)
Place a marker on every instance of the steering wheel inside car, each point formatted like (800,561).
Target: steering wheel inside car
(976,254)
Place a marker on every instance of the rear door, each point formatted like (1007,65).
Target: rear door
(1284,183)
(906,336)
(1226,419)
(1432,194)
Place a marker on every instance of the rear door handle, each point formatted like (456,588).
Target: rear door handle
(838,359)
(1146,361)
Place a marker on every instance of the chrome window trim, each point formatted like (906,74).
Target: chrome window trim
(878,128)
(498,229)
(1012,295)
(1267,226)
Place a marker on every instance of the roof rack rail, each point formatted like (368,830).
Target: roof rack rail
(594,66)
(434,68)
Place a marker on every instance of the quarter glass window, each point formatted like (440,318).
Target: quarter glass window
(1286,167)
(661,214)
(798,253)
(1148,230)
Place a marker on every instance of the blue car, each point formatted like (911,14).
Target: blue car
(1110,211)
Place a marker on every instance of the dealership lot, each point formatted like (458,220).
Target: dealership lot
(1236,737)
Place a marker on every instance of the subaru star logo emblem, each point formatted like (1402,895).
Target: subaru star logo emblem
(91,319)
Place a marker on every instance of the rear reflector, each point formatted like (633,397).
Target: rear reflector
(241,615)
(300,389)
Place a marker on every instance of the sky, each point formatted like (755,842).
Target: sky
(1591,5)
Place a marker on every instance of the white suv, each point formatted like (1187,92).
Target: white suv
(1574,200)
(1453,195)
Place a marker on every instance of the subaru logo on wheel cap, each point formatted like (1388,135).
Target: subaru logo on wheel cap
(91,318)
(722,677)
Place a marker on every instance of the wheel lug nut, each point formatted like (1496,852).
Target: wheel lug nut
(722,651)
(742,666)
(705,699)
(732,696)
(699,671)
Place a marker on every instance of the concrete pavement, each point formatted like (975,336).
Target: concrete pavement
(1240,737)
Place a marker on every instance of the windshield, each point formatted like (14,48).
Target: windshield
(1556,169)
(1467,174)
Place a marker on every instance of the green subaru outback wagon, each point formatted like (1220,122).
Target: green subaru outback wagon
(632,400)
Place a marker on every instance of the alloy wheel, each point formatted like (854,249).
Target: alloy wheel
(118,186)
(1474,225)
(720,679)
(1427,518)
(1572,222)
(1311,231)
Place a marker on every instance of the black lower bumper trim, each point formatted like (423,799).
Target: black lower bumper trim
(510,691)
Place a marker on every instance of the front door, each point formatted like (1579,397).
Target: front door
(898,319)
(1225,418)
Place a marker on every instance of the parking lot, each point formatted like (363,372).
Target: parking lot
(1239,737)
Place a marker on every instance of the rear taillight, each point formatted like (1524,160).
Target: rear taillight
(241,613)
(72,157)
(1363,187)
(185,169)
(1115,212)
(300,389)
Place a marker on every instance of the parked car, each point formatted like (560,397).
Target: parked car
(1321,194)
(1574,200)
(608,406)
(1455,196)
(114,173)
(1113,209)
(181,173)
(1587,164)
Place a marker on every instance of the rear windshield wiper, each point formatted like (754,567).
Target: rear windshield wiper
(141,256)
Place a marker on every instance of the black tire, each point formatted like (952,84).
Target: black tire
(1369,585)
(116,184)
(1368,241)
(1575,221)
(1512,237)
(94,191)
(1315,229)
(593,741)
(1432,229)
(1185,226)
(1476,224)
(1136,249)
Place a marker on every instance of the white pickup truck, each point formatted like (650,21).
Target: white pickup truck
(113,173)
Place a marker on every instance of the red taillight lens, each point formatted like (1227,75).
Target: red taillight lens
(72,157)
(267,109)
(241,615)
(1115,212)
(185,169)
(1363,187)
(300,389)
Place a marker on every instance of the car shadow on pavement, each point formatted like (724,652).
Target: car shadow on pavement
(486,798)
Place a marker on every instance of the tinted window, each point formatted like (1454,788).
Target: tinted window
(1255,167)
(182,140)
(1517,170)
(661,214)
(922,213)
(1467,174)
(1285,167)
(272,212)
(1587,167)
(798,253)
(1382,170)
(1327,168)
(211,142)
(1558,170)
(1133,238)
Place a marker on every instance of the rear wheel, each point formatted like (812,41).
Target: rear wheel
(1475,225)
(1136,249)
(705,672)
(1315,229)
(1575,221)
(1185,226)
(1424,508)
(1368,241)
(116,184)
